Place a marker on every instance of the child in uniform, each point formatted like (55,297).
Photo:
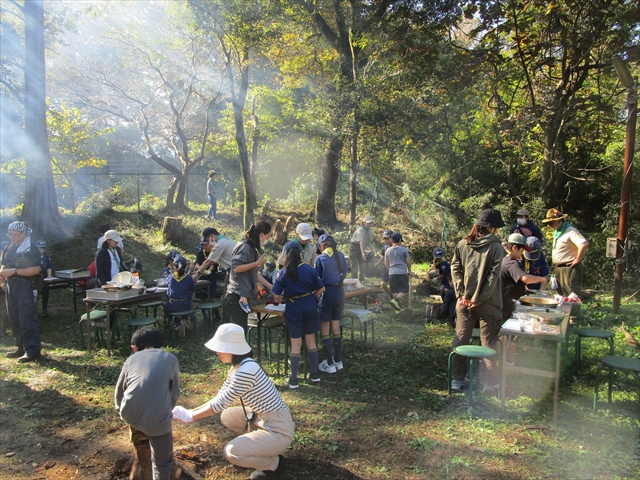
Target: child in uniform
(300,286)
(180,287)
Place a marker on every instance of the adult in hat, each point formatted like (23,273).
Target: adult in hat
(109,261)
(263,421)
(212,195)
(514,278)
(332,270)
(304,236)
(219,259)
(104,229)
(20,268)
(299,285)
(568,251)
(361,248)
(534,262)
(398,262)
(525,226)
(384,277)
(475,271)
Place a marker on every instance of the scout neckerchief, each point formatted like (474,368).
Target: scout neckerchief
(302,247)
(177,276)
(558,233)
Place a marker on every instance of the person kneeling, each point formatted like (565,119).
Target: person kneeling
(263,419)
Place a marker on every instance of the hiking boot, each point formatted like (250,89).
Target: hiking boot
(270,474)
(338,365)
(394,303)
(326,368)
(26,358)
(458,385)
(17,353)
(291,383)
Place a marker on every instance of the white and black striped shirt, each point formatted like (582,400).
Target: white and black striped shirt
(248,380)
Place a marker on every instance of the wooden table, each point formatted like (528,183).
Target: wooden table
(55,283)
(362,291)
(111,305)
(508,336)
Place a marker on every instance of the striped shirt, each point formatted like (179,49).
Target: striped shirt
(248,381)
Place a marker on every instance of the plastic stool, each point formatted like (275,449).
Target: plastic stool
(348,321)
(591,333)
(133,325)
(207,309)
(615,363)
(472,352)
(95,315)
(147,306)
(275,322)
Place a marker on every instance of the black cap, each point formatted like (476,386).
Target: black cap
(490,218)
(209,231)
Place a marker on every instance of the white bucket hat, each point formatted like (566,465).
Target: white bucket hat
(229,338)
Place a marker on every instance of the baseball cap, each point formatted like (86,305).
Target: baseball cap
(323,238)
(490,218)
(387,233)
(304,231)
(523,212)
(368,219)
(209,231)
(271,264)
(396,237)
(41,244)
(519,239)
(438,253)
(535,245)
(290,246)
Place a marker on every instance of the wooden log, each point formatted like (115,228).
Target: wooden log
(628,337)
(172,229)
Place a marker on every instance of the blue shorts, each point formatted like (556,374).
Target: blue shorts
(399,283)
(332,303)
(302,316)
(385,275)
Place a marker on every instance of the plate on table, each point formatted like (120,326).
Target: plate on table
(161,289)
(151,289)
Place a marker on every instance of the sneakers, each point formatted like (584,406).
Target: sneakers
(26,358)
(313,379)
(338,365)
(17,353)
(269,474)
(208,217)
(326,368)
(291,383)
(459,384)
(394,303)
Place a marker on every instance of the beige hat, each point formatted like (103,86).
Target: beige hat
(554,214)
(112,235)
(368,219)
(304,231)
(229,338)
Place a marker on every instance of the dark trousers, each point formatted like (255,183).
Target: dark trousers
(570,279)
(161,452)
(45,298)
(23,315)
(235,313)
(490,322)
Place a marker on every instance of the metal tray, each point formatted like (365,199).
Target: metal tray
(72,273)
(100,294)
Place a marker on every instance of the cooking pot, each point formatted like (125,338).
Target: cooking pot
(539,302)
(550,316)
(114,287)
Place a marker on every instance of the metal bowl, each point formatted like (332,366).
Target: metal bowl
(550,316)
(123,277)
(538,302)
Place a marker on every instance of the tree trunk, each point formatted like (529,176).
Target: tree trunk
(171,193)
(353,171)
(172,229)
(255,145)
(326,203)
(40,203)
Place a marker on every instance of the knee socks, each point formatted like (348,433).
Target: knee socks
(328,349)
(313,362)
(294,359)
(337,348)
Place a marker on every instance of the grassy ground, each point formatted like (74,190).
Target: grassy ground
(385,416)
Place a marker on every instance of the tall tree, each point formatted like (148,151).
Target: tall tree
(40,208)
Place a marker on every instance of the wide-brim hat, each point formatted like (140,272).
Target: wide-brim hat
(523,212)
(112,235)
(128,257)
(553,214)
(229,338)
(490,218)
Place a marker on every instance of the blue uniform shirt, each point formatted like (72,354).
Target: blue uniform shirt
(539,268)
(45,264)
(308,281)
(328,270)
(444,269)
(180,289)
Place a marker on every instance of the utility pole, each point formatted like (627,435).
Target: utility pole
(631,84)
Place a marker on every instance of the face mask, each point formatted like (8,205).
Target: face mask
(522,221)
(212,243)
(264,242)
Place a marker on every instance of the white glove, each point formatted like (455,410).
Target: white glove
(182,414)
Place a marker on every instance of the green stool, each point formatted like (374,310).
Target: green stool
(615,363)
(349,321)
(186,313)
(591,333)
(133,324)
(271,323)
(472,352)
(207,309)
(147,306)
(95,315)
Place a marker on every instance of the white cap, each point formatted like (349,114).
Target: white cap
(229,338)
(112,235)
(368,219)
(304,231)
